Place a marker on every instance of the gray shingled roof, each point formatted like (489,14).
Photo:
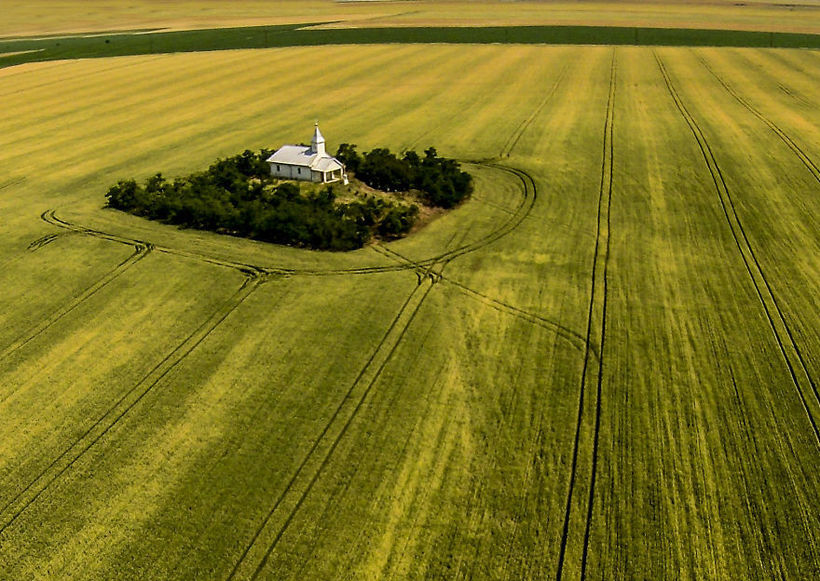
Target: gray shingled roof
(326,163)
(304,156)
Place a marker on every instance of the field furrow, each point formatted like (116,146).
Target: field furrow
(575,533)
(41,290)
(16,505)
(686,402)
(267,536)
(603,365)
(776,199)
(804,157)
(791,353)
(515,136)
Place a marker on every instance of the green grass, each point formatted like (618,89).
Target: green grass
(108,45)
(578,370)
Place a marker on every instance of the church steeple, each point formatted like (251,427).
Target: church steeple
(317,144)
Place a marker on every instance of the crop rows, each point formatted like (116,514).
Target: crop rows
(590,385)
(803,382)
(564,378)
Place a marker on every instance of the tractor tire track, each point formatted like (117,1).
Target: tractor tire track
(247,269)
(43,241)
(577,340)
(326,460)
(765,69)
(323,448)
(493,205)
(326,443)
(141,250)
(12,182)
(798,151)
(519,131)
(21,501)
(519,214)
(50,217)
(794,95)
(592,371)
(804,384)
(784,63)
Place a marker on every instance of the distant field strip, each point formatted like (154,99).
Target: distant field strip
(799,152)
(803,382)
(590,385)
(108,45)
(21,52)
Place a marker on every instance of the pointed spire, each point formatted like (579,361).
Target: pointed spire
(317,144)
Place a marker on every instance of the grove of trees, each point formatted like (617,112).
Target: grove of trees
(238,196)
(439,180)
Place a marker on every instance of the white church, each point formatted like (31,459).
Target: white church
(312,164)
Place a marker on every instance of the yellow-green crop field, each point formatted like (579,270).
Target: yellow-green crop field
(50,17)
(604,365)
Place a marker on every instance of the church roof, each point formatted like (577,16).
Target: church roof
(326,163)
(304,156)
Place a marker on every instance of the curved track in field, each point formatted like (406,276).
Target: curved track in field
(141,250)
(519,214)
(301,483)
(427,275)
(50,216)
(577,340)
(592,372)
(19,502)
(804,384)
(422,267)
(429,272)
(44,241)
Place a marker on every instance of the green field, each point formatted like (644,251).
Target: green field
(19,51)
(61,17)
(604,365)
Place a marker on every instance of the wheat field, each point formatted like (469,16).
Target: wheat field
(603,365)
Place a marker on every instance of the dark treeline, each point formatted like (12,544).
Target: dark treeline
(237,196)
(440,180)
(127,43)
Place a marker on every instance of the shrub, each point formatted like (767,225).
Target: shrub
(440,180)
(237,196)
